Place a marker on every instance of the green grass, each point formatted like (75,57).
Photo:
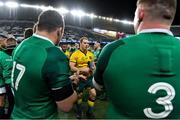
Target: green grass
(99,110)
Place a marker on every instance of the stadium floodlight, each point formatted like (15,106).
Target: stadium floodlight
(63,10)
(44,8)
(92,15)
(31,6)
(12,4)
(111,19)
(126,22)
(103,18)
(25,5)
(96,30)
(117,20)
(78,13)
(100,17)
(95,16)
(1,3)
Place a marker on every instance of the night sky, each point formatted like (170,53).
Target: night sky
(121,9)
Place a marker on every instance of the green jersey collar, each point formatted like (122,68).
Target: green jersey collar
(156,30)
(42,37)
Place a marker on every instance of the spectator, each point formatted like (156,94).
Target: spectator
(28,33)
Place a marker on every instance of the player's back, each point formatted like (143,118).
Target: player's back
(142,77)
(32,93)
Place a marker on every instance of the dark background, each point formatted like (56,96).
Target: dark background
(121,9)
(117,9)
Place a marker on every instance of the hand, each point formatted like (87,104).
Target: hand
(84,70)
(82,77)
(74,78)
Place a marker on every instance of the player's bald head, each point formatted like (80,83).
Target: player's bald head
(50,20)
(160,9)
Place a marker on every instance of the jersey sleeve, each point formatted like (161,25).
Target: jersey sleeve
(6,67)
(67,53)
(73,57)
(103,62)
(57,72)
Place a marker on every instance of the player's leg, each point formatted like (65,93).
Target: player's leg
(2,101)
(91,100)
(10,97)
(79,90)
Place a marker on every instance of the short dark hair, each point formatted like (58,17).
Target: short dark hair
(98,41)
(11,43)
(163,9)
(28,32)
(49,21)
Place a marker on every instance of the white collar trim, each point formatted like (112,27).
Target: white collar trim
(42,37)
(157,30)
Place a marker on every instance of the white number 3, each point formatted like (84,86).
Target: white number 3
(165,101)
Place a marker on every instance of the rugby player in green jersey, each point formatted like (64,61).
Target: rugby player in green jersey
(5,73)
(41,72)
(141,74)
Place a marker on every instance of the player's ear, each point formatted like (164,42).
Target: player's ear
(141,14)
(61,31)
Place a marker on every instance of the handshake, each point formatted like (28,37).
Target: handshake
(82,74)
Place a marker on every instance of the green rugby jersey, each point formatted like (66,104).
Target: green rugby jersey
(97,53)
(38,68)
(141,75)
(5,68)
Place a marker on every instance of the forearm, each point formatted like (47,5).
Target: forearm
(74,69)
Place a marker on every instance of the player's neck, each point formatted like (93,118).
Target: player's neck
(148,25)
(47,35)
(83,50)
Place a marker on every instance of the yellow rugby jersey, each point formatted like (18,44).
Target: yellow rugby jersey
(81,59)
(67,53)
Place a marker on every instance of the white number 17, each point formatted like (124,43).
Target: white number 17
(22,69)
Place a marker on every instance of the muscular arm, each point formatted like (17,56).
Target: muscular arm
(73,67)
(78,70)
(65,97)
(103,62)
(57,74)
(67,104)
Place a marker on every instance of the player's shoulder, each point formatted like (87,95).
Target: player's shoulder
(77,52)
(41,42)
(113,45)
(90,53)
(33,44)
(1,52)
(4,53)
(55,53)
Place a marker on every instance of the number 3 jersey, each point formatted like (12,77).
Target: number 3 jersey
(141,75)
